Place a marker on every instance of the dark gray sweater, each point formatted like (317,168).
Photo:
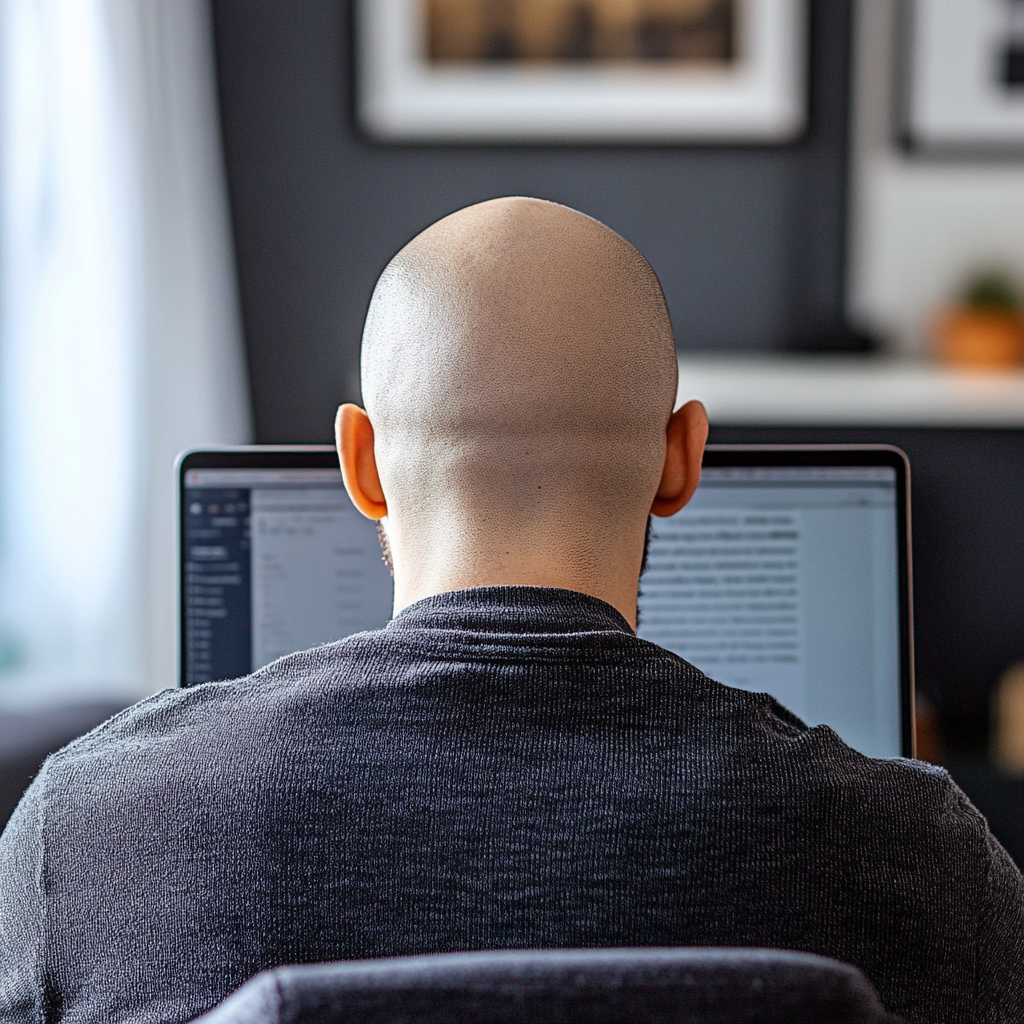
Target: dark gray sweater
(503,767)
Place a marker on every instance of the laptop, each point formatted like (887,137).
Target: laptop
(788,573)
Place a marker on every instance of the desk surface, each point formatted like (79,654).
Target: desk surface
(849,391)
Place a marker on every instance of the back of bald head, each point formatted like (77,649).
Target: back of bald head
(518,355)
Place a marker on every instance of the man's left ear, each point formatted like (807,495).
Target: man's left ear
(685,437)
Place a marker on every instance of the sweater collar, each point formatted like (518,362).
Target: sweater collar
(511,609)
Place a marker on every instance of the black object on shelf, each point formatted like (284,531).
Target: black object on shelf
(841,340)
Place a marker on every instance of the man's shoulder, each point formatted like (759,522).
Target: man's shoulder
(207,718)
(894,809)
(893,800)
(902,787)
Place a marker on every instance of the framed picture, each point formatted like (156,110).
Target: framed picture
(963,76)
(723,71)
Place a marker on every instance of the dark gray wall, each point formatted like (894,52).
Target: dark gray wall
(748,242)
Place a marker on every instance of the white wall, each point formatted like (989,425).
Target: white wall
(195,392)
(918,225)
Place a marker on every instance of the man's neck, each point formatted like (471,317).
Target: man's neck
(414,582)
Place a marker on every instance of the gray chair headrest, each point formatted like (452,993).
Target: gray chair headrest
(601,986)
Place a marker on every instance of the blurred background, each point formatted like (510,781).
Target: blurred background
(195,207)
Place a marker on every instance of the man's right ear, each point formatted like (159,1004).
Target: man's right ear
(353,433)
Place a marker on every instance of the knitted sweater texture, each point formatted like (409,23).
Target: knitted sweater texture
(506,767)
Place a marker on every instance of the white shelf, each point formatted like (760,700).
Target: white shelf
(849,391)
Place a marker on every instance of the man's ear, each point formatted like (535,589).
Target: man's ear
(353,433)
(686,435)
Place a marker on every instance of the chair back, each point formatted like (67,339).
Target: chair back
(601,986)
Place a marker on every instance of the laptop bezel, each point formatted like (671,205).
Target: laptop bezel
(254,457)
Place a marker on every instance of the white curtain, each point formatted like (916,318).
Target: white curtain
(120,341)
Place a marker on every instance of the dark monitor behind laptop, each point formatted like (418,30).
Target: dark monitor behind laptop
(788,573)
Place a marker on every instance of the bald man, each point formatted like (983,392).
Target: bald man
(505,764)
(519,374)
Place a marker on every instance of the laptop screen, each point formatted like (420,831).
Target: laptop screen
(784,578)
